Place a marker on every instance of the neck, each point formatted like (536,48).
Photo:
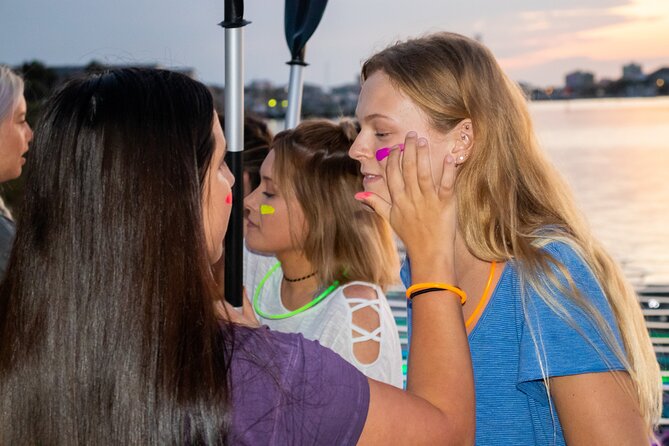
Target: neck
(296,294)
(472,274)
(467,265)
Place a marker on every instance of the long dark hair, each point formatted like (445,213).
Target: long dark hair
(107,331)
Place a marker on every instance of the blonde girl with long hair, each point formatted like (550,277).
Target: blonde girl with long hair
(15,136)
(559,346)
(334,259)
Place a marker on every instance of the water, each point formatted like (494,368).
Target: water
(615,156)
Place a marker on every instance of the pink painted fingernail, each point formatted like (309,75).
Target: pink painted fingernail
(362,195)
(228,199)
(385,151)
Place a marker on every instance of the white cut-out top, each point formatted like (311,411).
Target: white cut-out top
(331,321)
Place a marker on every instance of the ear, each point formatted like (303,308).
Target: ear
(463,134)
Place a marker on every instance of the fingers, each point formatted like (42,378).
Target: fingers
(376,203)
(394,170)
(415,170)
(227,312)
(447,177)
(247,310)
(424,167)
(408,164)
(233,314)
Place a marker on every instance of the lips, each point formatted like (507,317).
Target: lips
(370,177)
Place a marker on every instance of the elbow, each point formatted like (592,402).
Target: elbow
(466,434)
(458,430)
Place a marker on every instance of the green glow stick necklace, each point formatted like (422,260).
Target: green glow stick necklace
(302,309)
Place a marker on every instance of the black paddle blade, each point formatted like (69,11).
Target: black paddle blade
(301,20)
(234,14)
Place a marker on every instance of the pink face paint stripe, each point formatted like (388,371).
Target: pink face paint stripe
(228,199)
(385,151)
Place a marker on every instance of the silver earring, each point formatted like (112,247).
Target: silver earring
(461,159)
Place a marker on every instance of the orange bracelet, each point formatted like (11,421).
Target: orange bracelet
(442,286)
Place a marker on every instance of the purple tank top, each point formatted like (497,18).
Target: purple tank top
(290,390)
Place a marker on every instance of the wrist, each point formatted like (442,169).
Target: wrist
(426,269)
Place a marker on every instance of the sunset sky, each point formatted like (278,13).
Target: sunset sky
(536,41)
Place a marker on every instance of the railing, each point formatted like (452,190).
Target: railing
(654,301)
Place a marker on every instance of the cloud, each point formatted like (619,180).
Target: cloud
(631,32)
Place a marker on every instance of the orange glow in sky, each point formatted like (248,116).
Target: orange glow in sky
(643,35)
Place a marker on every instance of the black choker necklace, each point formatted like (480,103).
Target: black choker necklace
(300,279)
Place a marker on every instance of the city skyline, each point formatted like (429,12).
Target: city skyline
(536,42)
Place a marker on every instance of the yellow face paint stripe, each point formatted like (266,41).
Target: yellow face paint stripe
(266,209)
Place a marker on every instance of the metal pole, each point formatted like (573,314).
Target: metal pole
(234,89)
(234,134)
(295,86)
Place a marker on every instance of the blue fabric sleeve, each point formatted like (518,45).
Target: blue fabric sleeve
(405,273)
(563,349)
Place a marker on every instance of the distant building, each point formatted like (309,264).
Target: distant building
(632,72)
(603,87)
(317,103)
(579,80)
(345,98)
(265,99)
(580,83)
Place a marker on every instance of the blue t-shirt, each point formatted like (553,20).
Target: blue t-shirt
(512,407)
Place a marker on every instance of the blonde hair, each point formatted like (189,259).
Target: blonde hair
(344,241)
(11,89)
(511,201)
